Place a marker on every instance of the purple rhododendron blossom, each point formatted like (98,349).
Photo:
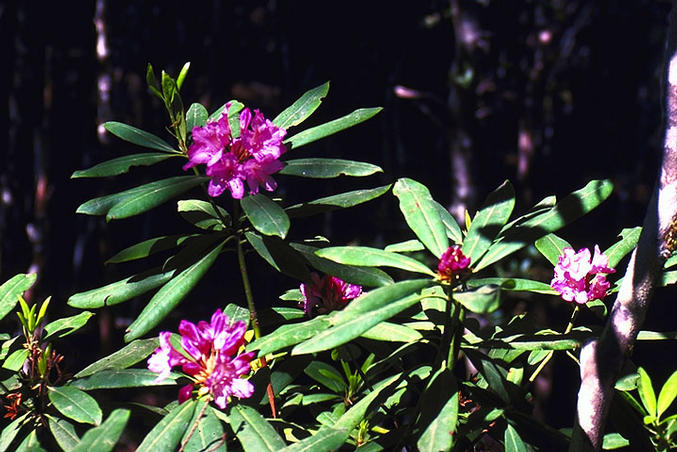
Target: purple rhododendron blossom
(208,358)
(326,294)
(579,279)
(452,263)
(252,157)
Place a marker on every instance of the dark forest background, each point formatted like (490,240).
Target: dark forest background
(548,94)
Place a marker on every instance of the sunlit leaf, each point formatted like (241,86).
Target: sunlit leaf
(667,395)
(614,441)
(75,404)
(148,247)
(63,432)
(267,217)
(11,289)
(169,431)
(67,325)
(439,412)
(331,127)
(620,249)
(138,136)
(30,444)
(340,201)
(304,106)
(552,247)
(252,430)
(104,437)
(512,440)
(320,168)
(453,230)
(204,215)
(127,356)
(16,360)
(514,284)
(372,257)
(482,300)
(646,392)
(392,332)
(326,375)
(121,378)
(288,335)
(196,116)
(121,165)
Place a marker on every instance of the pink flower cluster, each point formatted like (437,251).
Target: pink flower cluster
(326,294)
(452,263)
(207,358)
(579,279)
(253,156)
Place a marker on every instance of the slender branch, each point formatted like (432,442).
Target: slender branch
(547,359)
(602,360)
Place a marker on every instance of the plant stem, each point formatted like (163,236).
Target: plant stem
(248,290)
(551,353)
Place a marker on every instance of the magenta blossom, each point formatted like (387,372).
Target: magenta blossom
(208,358)
(251,157)
(326,294)
(580,280)
(452,263)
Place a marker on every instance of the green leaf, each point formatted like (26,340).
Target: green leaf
(11,289)
(139,199)
(63,432)
(365,276)
(237,313)
(340,201)
(129,355)
(75,404)
(512,440)
(120,291)
(372,257)
(148,247)
(30,444)
(552,247)
(627,383)
(169,431)
(326,375)
(646,392)
(623,247)
(319,168)
(408,246)
(522,233)
(488,221)
(252,430)
(614,441)
(152,82)
(170,295)
(9,433)
(422,215)
(121,165)
(483,300)
(279,255)
(439,413)
(304,106)
(453,230)
(267,217)
(203,215)
(138,137)
(667,395)
(104,437)
(67,324)
(233,113)
(331,127)
(289,334)
(380,304)
(182,75)
(208,434)
(16,360)
(196,116)
(121,378)
(514,284)
(392,332)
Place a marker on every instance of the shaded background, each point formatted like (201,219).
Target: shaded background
(548,94)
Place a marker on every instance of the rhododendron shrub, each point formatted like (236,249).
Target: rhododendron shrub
(421,344)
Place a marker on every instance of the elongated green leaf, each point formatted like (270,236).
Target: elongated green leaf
(488,221)
(104,437)
(196,116)
(326,375)
(267,217)
(170,295)
(620,249)
(408,246)
(304,106)
(138,136)
(646,392)
(10,431)
(453,230)
(203,215)
(121,378)
(348,324)
(483,300)
(523,233)
(365,276)
(512,440)
(340,201)
(30,444)
(120,291)
(422,215)
(152,82)
(254,433)
(279,255)
(614,441)
(392,332)
(63,432)
(372,257)
(551,247)
(121,165)
(148,247)
(657,336)
(208,434)
(331,127)
(237,313)
(127,356)
(514,284)
(164,188)
(11,289)
(667,395)
(151,196)
(169,431)
(439,413)
(287,335)
(16,360)
(75,404)
(319,168)
(67,325)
